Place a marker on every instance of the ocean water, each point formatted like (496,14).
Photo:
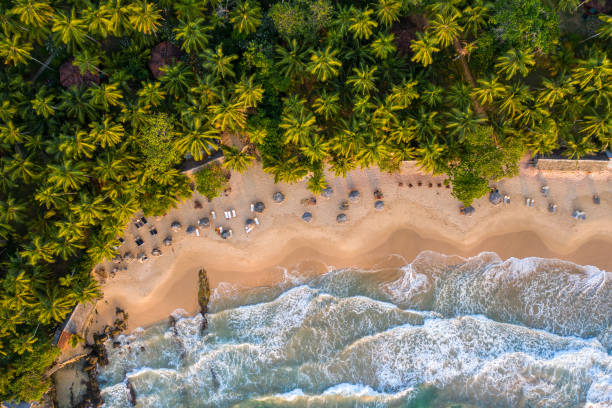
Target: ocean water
(437,332)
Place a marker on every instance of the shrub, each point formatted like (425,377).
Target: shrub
(211,181)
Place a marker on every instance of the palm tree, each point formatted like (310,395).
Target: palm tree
(207,90)
(218,63)
(327,105)
(383,45)
(118,16)
(514,99)
(432,95)
(106,133)
(98,20)
(362,24)
(423,47)
(89,209)
(292,63)
(67,175)
(71,31)
(151,94)
(77,146)
(445,29)
(341,165)
(598,125)
(248,93)
(317,182)
(488,90)
(105,95)
(315,148)
(193,35)
(176,79)
(36,250)
(52,306)
(298,127)
(108,167)
(475,17)
(463,122)
(372,151)
(323,64)
(363,80)
(228,114)
(33,13)
(404,93)
(49,197)
(12,210)
(403,131)
(13,51)
(515,61)
(388,11)
(144,17)
(579,146)
(431,157)
(11,134)
(198,139)
(246,17)
(237,160)
(595,70)
(22,168)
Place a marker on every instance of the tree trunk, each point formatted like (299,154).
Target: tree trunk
(59,366)
(42,69)
(468,75)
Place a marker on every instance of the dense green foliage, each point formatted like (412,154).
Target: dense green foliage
(211,181)
(462,86)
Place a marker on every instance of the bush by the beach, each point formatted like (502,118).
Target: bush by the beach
(211,181)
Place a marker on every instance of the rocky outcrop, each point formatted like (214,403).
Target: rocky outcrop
(203,295)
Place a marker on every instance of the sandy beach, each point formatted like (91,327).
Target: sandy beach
(414,219)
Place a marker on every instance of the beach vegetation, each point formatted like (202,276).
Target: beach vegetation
(102,102)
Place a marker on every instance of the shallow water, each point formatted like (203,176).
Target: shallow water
(437,332)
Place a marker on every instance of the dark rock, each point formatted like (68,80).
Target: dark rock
(307,217)
(203,294)
(131,393)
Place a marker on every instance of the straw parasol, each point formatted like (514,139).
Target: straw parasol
(307,217)
(204,222)
(175,225)
(327,192)
(354,196)
(278,197)
(341,218)
(379,205)
(259,207)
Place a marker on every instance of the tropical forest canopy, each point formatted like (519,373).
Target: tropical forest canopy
(101,101)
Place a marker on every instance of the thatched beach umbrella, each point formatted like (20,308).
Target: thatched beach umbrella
(156,252)
(175,225)
(341,218)
(127,257)
(250,222)
(307,217)
(190,229)
(354,196)
(259,207)
(226,234)
(327,192)
(379,205)
(495,198)
(204,222)
(168,241)
(467,210)
(278,197)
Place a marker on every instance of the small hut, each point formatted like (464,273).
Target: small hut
(379,205)
(307,217)
(164,53)
(259,207)
(354,196)
(204,222)
(278,197)
(341,218)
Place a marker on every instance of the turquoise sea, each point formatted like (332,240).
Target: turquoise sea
(437,332)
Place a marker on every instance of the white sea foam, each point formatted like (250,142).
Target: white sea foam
(351,338)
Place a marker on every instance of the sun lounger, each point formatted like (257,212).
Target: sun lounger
(507,199)
(227,215)
(230,233)
(144,220)
(532,203)
(233,213)
(213,215)
(256,220)
(153,231)
(248,229)
(139,241)
(544,190)
(197,232)
(252,207)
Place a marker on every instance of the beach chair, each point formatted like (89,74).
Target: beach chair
(252,207)
(213,215)
(256,220)
(233,213)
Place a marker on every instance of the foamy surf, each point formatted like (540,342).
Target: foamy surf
(477,331)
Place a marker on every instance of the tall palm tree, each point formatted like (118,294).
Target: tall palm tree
(488,90)
(249,93)
(515,62)
(445,29)
(67,175)
(298,127)
(219,63)
(151,94)
(388,11)
(237,160)
(327,105)
(362,24)
(177,79)
(475,17)
(431,156)
(144,17)
(463,122)
(106,133)
(228,114)
(246,16)
(315,148)
(105,95)
(324,64)
(292,62)
(33,13)
(13,51)
(383,45)
(404,93)
(193,35)
(198,139)
(71,31)
(423,47)
(363,81)
(98,20)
